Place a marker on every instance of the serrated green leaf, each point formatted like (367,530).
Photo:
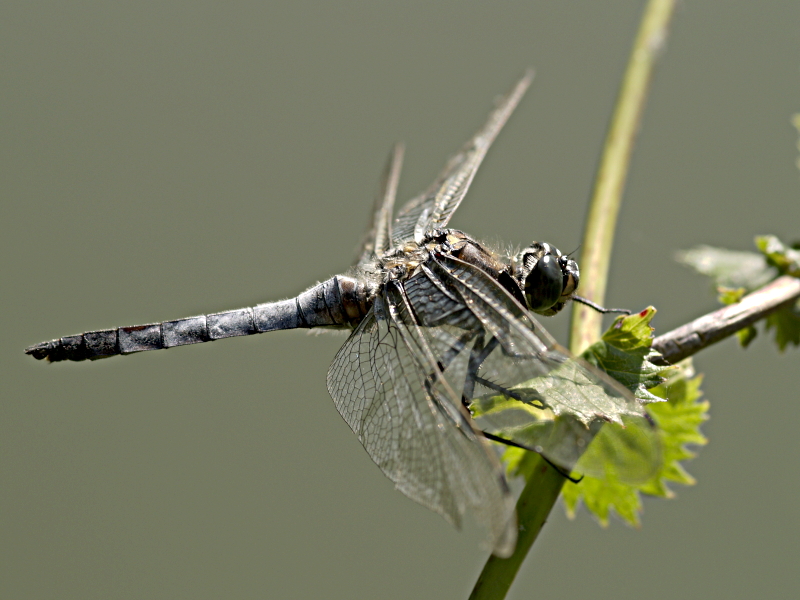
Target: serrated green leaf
(746,335)
(624,351)
(729,268)
(631,333)
(786,323)
(779,255)
(737,273)
(601,497)
(607,486)
(679,419)
(730,295)
(786,259)
(573,390)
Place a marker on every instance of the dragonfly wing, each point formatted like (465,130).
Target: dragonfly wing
(385,386)
(436,205)
(379,235)
(557,403)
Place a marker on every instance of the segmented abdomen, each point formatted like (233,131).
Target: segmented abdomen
(338,301)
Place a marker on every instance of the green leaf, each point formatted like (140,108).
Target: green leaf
(573,390)
(729,268)
(746,335)
(617,459)
(786,259)
(678,419)
(624,352)
(786,323)
(737,273)
(730,295)
(618,463)
(601,497)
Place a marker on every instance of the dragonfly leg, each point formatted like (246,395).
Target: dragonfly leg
(478,355)
(563,472)
(446,360)
(511,394)
(597,307)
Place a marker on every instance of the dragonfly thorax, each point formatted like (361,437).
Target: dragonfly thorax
(547,277)
(404,261)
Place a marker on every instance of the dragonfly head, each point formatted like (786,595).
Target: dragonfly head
(547,277)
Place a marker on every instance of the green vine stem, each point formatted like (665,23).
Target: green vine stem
(598,237)
(542,489)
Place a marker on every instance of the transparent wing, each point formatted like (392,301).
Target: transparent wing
(437,204)
(379,235)
(387,390)
(531,391)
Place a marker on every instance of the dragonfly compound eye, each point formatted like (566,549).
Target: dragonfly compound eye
(572,276)
(544,283)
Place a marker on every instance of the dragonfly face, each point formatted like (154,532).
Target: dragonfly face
(546,277)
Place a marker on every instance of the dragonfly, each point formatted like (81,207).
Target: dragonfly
(445,361)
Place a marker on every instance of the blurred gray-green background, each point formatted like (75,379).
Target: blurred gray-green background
(162,159)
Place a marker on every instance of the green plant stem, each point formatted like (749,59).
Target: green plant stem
(542,489)
(533,506)
(613,169)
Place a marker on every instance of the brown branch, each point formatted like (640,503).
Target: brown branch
(713,327)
